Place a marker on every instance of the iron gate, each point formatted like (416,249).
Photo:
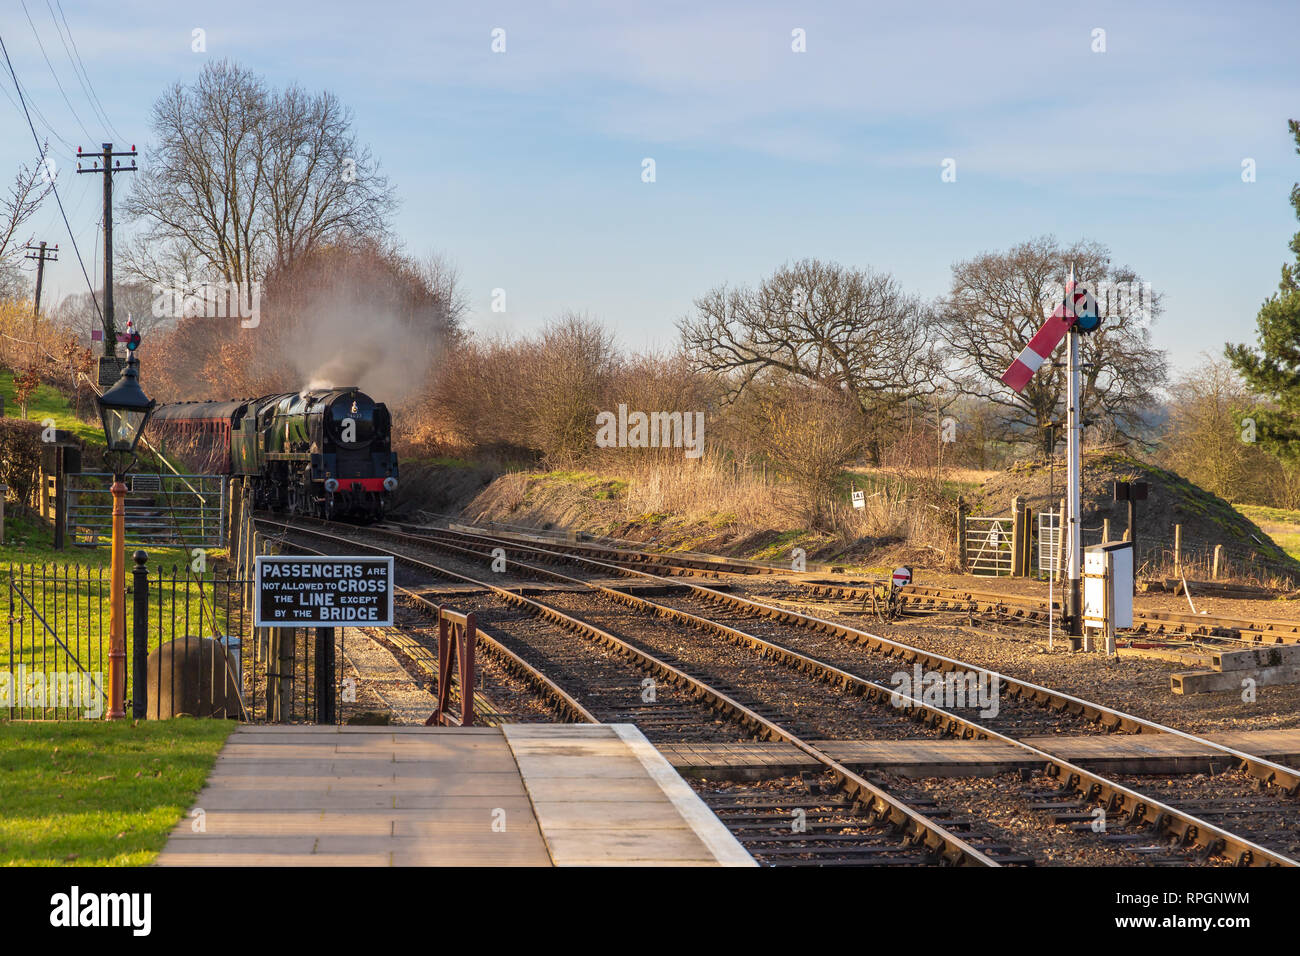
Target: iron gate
(189,640)
(179,511)
(54,663)
(988,545)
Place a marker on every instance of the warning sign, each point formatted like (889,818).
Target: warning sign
(326,591)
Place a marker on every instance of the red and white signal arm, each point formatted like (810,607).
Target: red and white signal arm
(1080,306)
(902,576)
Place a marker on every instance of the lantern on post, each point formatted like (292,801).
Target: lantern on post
(124,410)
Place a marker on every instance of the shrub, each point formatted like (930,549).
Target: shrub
(20,456)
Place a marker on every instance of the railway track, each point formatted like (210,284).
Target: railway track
(611,673)
(732,685)
(916,598)
(931,598)
(1108,719)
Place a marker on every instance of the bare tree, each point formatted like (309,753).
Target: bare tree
(1210,436)
(135,300)
(847,330)
(322,186)
(572,365)
(999,300)
(808,432)
(30,187)
(440,275)
(199,194)
(243,180)
(475,395)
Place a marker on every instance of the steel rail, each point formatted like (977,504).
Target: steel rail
(1091,786)
(1246,631)
(1274,631)
(918,829)
(560,699)
(1270,772)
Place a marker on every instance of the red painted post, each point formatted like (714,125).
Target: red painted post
(117,611)
(444,662)
(467,673)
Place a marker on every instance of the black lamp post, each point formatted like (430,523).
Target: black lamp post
(124,410)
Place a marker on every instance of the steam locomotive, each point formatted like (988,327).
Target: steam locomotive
(320,452)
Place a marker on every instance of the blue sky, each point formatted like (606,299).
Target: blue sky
(524,167)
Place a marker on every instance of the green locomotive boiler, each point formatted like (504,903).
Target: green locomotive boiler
(322,452)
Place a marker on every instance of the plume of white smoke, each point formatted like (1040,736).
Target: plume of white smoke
(374,349)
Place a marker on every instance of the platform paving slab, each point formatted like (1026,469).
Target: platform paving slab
(593,788)
(521,795)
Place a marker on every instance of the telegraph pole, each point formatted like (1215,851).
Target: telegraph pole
(42,256)
(110,166)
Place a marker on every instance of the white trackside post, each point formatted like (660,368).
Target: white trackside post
(1073,539)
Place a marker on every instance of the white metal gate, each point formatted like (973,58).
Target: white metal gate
(180,511)
(988,545)
(1049,542)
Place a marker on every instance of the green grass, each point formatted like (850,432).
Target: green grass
(29,540)
(1281,524)
(779,547)
(78,613)
(1259,513)
(96,793)
(599,487)
(48,402)
(442,461)
(954,489)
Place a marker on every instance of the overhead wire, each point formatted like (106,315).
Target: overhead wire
(54,73)
(54,187)
(79,68)
(28,106)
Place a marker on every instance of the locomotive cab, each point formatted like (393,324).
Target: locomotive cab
(352,463)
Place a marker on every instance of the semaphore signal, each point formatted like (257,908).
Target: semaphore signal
(1075,315)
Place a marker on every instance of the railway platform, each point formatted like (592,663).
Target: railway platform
(517,795)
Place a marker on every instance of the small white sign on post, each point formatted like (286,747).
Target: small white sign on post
(902,576)
(859,499)
(1107,591)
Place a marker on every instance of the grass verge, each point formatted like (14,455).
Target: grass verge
(1280,524)
(87,793)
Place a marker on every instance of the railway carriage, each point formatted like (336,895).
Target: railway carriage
(322,452)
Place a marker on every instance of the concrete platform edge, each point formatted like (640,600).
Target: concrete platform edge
(721,842)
